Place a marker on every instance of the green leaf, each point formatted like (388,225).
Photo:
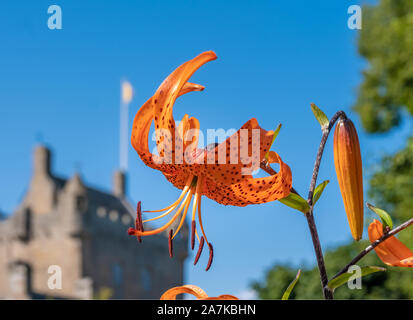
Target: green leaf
(319,191)
(295,201)
(276,132)
(343,279)
(320,116)
(384,216)
(290,288)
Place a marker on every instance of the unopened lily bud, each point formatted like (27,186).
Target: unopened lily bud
(347,160)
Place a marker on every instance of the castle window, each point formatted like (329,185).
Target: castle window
(101,212)
(126,219)
(113,215)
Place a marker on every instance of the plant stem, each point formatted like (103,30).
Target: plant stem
(327,293)
(326,132)
(375,244)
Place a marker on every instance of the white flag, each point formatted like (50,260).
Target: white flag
(127,92)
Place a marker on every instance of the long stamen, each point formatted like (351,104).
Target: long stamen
(164,227)
(183,215)
(138,220)
(194,207)
(170,243)
(196,200)
(139,216)
(169,211)
(211,249)
(162,215)
(198,254)
(184,191)
(211,256)
(187,192)
(200,220)
(193,228)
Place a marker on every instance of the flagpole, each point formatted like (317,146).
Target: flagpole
(125,99)
(123,143)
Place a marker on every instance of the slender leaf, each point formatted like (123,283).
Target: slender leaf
(294,201)
(319,191)
(276,132)
(320,116)
(384,216)
(290,288)
(343,279)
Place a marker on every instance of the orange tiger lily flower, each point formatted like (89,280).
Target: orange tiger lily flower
(195,291)
(226,178)
(391,251)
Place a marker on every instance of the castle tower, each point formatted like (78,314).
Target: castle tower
(119,184)
(41,161)
(74,204)
(65,224)
(41,195)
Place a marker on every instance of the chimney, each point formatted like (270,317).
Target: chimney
(119,184)
(41,161)
(75,185)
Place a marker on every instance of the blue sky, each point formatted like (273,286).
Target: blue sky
(61,87)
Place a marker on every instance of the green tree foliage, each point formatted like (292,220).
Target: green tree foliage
(386,41)
(392,186)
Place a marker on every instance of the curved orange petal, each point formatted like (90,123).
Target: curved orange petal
(140,133)
(164,99)
(262,190)
(142,124)
(237,157)
(272,157)
(251,190)
(228,178)
(191,289)
(188,132)
(177,178)
(195,291)
(223,297)
(391,251)
(189,87)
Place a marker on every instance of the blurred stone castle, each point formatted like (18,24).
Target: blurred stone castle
(81,231)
